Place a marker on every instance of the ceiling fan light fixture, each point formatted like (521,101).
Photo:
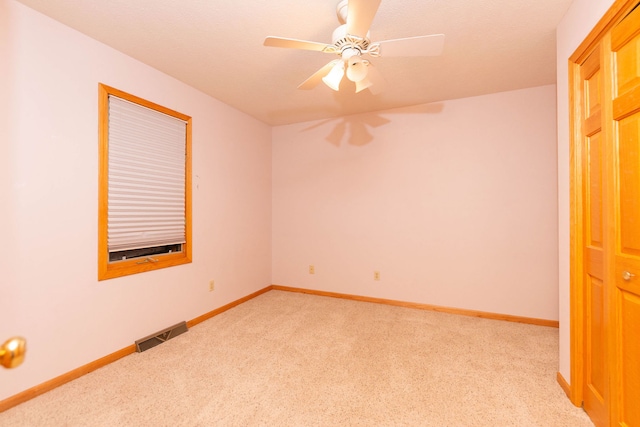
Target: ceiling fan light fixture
(334,77)
(351,41)
(363,84)
(357,69)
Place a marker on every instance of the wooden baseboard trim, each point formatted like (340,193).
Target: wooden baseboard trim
(28,394)
(22,397)
(564,385)
(209,315)
(463,312)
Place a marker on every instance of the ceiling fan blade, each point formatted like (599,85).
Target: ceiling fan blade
(360,14)
(316,77)
(413,46)
(296,44)
(377,80)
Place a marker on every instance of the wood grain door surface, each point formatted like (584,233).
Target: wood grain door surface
(625,163)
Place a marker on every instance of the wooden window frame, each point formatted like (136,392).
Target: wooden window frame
(109,270)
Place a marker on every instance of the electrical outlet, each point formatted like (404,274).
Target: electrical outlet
(312,269)
(211,285)
(376,275)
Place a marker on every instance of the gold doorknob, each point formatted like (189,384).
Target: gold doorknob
(627,275)
(12,352)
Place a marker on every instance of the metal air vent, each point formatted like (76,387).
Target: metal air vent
(153,340)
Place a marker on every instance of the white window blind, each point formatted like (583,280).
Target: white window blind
(147,161)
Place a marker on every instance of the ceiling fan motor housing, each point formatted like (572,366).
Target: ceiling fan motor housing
(343,41)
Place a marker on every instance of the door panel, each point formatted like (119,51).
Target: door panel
(595,387)
(630,351)
(595,343)
(626,167)
(625,42)
(627,269)
(629,180)
(594,195)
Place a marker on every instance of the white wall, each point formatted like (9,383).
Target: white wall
(579,20)
(454,203)
(49,291)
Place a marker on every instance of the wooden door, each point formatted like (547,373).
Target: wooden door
(595,393)
(605,81)
(625,165)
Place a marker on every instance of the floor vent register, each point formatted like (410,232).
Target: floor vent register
(158,338)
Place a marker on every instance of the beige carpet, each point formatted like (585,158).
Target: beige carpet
(287,359)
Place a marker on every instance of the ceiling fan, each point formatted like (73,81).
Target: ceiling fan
(350,41)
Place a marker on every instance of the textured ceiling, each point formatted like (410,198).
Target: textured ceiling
(216,47)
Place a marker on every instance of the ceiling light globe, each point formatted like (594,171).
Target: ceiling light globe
(334,77)
(363,84)
(357,69)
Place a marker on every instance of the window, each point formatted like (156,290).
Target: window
(144,197)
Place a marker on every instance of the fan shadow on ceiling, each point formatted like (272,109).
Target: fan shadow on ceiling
(354,129)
